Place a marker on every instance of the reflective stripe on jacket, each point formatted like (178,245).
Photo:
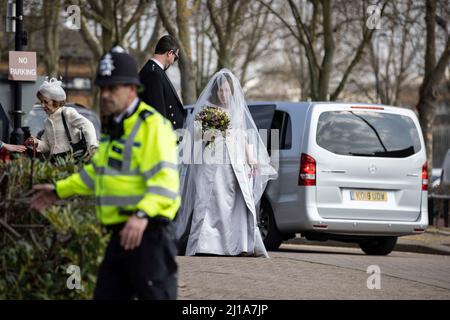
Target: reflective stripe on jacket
(136,172)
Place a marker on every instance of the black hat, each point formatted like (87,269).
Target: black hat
(117,67)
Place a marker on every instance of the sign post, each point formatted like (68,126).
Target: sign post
(21,71)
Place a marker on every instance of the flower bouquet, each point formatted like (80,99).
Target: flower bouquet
(213,119)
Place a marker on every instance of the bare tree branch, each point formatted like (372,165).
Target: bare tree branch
(91,40)
(135,17)
(367,35)
(168,24)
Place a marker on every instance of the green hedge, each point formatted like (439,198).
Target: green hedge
(36,249)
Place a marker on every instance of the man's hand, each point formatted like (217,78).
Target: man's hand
(131,234)
(44,198)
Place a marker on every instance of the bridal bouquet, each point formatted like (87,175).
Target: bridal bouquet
(213,119)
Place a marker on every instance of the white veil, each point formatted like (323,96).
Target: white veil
(242,135)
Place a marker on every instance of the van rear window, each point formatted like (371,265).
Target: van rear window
(368,134)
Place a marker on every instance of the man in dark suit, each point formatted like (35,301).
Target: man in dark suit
(158,90)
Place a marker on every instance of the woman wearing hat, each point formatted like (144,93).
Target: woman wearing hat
(56,138)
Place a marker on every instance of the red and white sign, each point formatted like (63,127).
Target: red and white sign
(22,66)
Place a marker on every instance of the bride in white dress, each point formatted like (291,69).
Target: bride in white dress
(223,180)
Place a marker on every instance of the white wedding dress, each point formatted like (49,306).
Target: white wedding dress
(218,210)
(224,216)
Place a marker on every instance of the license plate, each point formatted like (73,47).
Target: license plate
(368,195)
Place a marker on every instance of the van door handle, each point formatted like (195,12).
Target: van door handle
(412,174)
(334,171)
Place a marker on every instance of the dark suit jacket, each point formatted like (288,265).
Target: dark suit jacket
(160,94)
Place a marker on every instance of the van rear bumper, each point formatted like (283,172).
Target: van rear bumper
(301,215)
(369,228)
(313,222)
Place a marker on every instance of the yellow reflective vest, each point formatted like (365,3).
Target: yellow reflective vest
(136,172)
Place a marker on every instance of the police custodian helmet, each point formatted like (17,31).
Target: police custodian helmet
(117,67)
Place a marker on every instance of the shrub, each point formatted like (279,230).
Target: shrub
(36,249)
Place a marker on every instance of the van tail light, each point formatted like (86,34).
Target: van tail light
(307,175)
(425,176)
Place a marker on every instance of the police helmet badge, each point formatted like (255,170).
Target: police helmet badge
(106,65)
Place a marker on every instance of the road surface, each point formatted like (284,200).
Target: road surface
(315,272)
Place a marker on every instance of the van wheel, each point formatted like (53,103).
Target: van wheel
(380,246)
(270,234)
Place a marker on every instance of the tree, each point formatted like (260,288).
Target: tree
(51,11)
(204,53)
(257,35)
(225,34)
(116,22)
(394,51)
(318,37)
(42,24)
(143,51)
(434,73)
(238,32)
(226,18)
(181,31)
(298,68)
(114,18)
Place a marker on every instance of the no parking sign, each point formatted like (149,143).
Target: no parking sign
(22,66)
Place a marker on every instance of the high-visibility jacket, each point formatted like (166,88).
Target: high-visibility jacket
(136,172)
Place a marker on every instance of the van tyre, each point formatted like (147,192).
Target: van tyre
(271,236)
(380,246)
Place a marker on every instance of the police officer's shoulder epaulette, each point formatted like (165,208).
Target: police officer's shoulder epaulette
(144,114)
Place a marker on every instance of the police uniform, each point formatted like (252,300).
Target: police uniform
(159,93)
(134,172)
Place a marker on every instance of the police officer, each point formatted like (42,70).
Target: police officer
(135,181)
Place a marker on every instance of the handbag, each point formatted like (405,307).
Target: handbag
(79,149)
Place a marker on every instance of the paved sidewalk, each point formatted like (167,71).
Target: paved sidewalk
(433,241)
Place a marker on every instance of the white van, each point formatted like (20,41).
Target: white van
(348,171)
